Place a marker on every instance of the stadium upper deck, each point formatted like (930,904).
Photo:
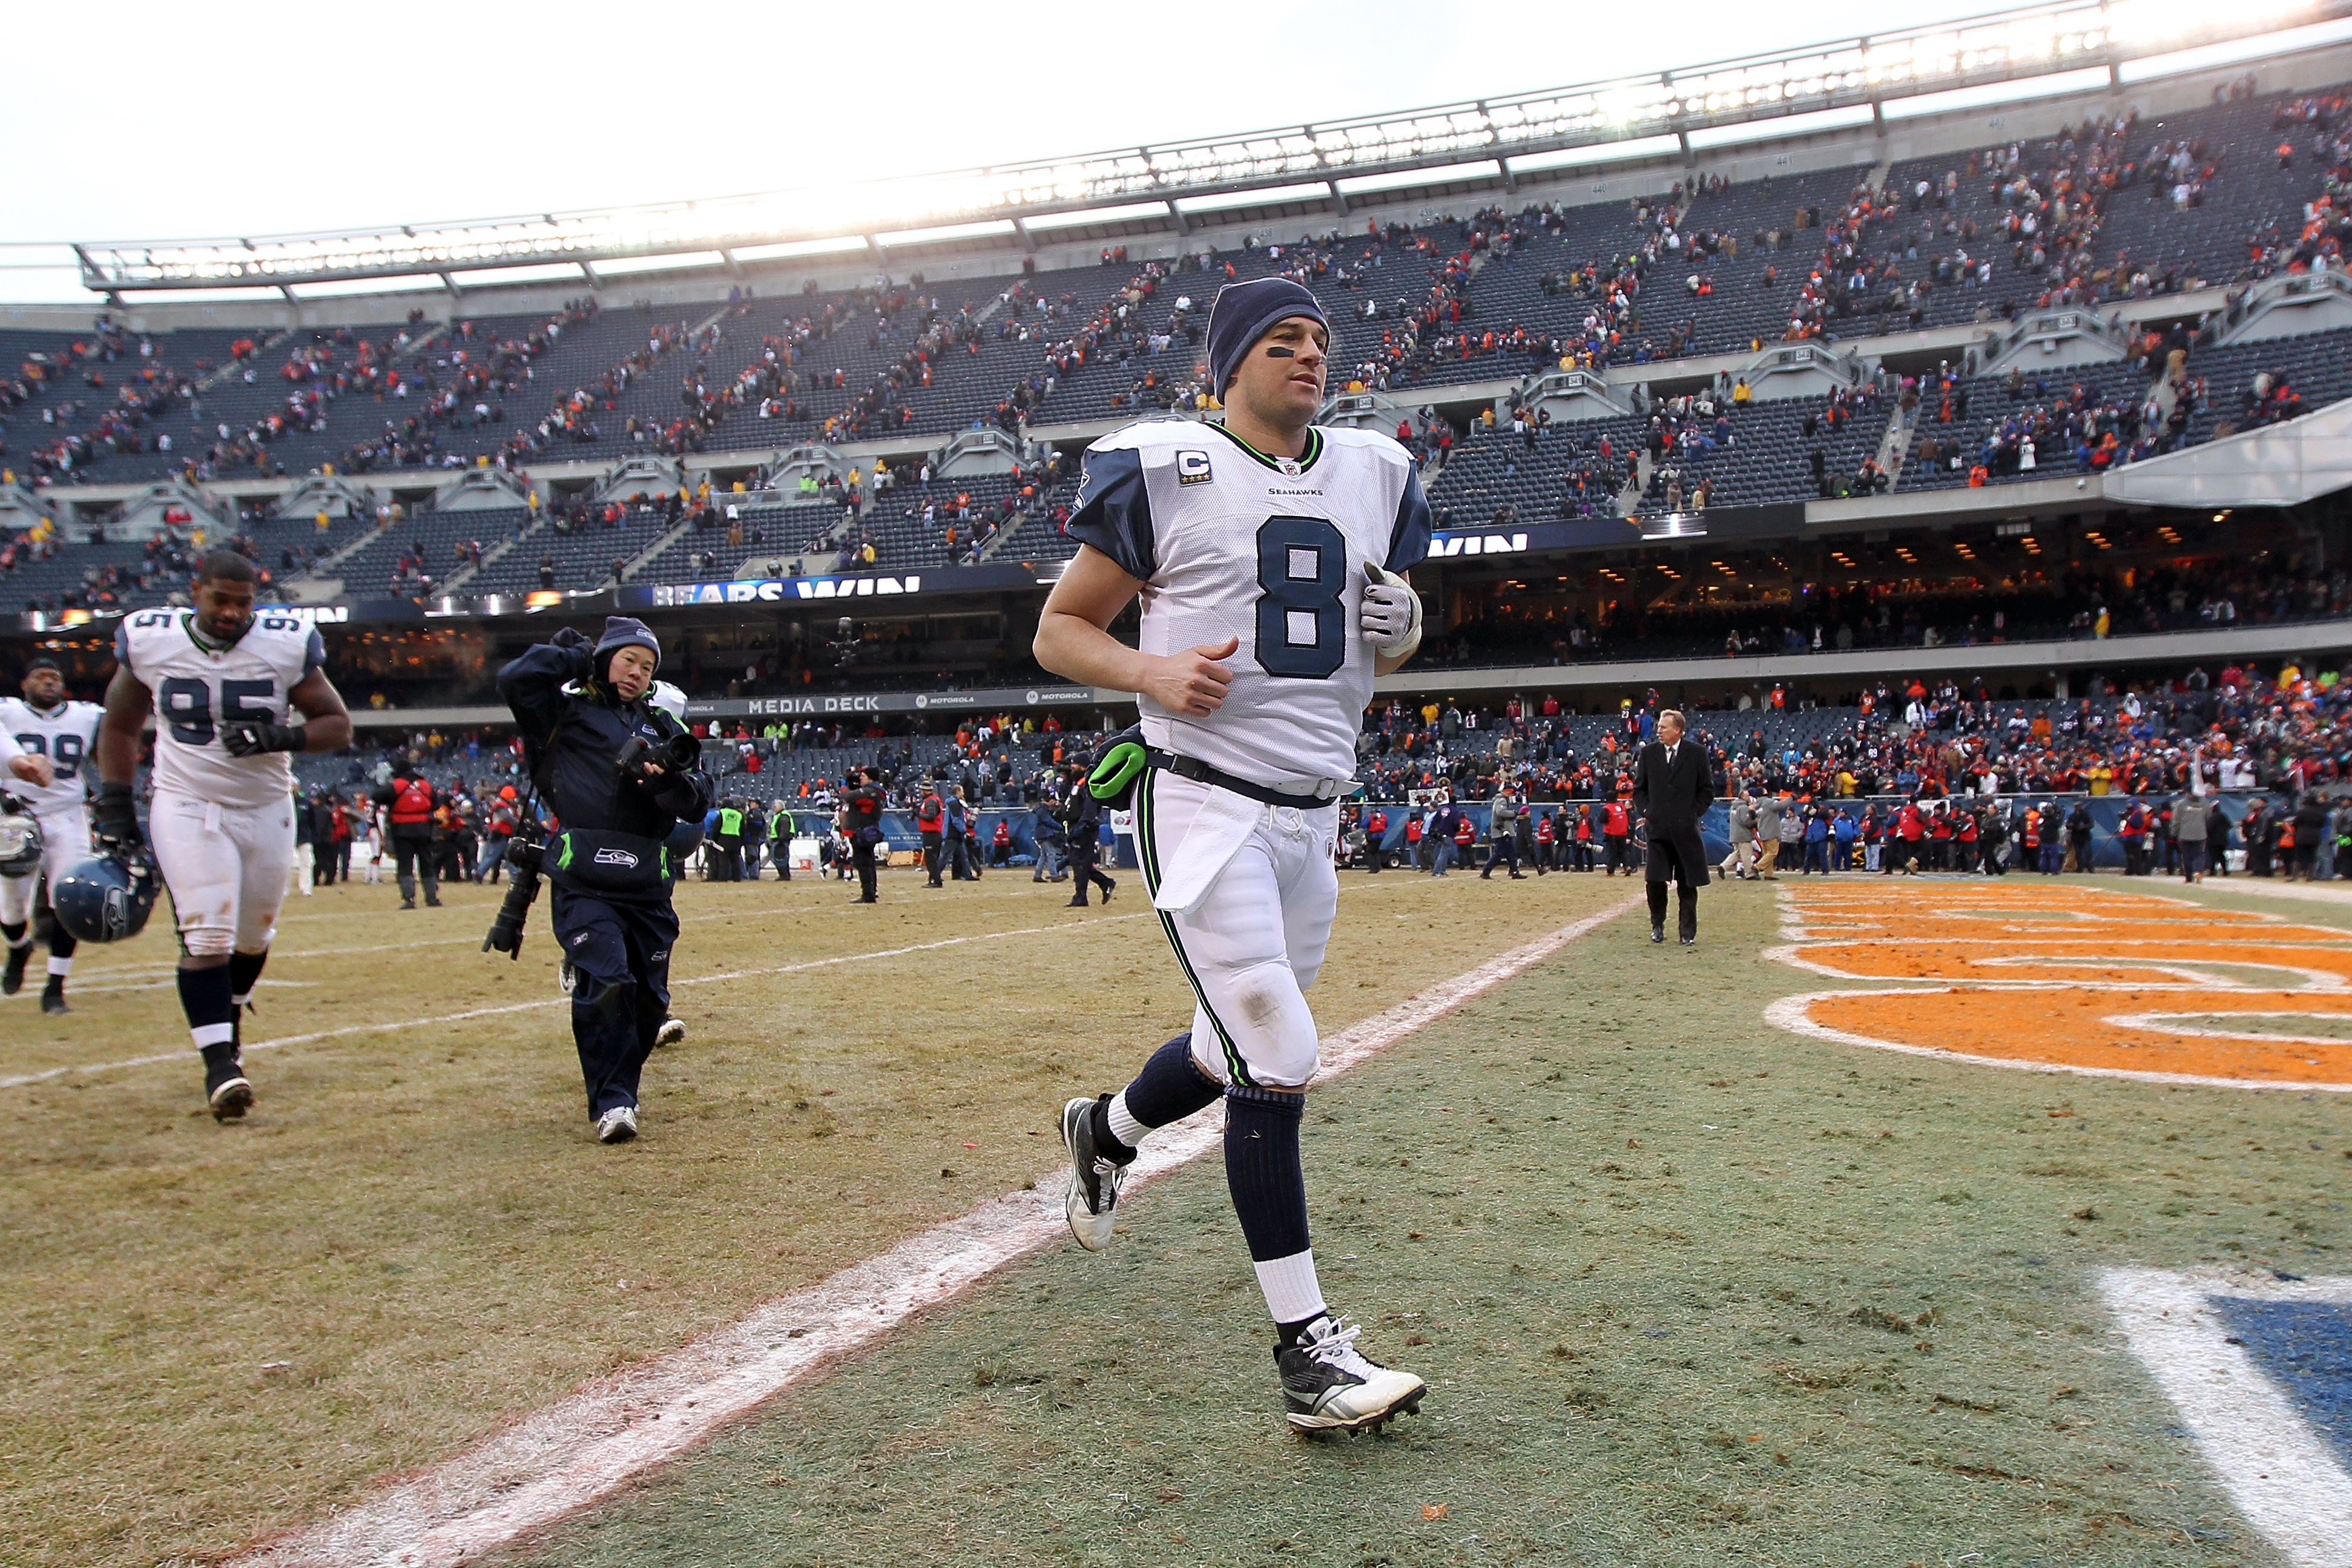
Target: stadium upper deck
(1902,235)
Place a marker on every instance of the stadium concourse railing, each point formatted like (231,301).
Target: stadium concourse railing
(2241,640)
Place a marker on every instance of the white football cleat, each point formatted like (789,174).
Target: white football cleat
(671,1033)
(617,1125)
(1093,1178)
(1328,1385)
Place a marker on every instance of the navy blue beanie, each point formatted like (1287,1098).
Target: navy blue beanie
(1244,311)
(620,632)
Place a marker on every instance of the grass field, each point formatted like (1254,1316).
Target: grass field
(1686,1287)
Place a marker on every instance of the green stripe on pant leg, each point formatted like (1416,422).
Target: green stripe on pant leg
(1148,854)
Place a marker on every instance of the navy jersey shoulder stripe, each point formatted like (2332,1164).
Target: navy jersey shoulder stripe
(1408,540)
(1114,511)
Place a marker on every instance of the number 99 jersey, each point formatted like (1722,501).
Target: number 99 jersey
(1231,543)
(67,735)
(198,688)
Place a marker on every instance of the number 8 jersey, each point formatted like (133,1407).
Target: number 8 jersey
(1231,543)
(198,688)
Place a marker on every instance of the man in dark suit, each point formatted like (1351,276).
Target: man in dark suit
(1673,784)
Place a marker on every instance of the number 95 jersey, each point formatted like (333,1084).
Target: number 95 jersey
(1231,543)
(198,688)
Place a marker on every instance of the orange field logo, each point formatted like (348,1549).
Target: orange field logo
(2075,979)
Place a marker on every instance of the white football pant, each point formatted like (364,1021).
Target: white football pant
(65,844)
(227,868)
(1251,940)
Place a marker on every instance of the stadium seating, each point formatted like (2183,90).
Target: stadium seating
(2225,199)
(423,546)
(1987,415)
(560,554)
(771,535)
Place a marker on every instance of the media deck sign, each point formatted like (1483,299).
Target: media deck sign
(821,705)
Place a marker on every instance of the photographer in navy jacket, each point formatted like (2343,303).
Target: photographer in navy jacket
(617,774)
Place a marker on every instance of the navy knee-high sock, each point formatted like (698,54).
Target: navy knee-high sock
(204,998)
(1269,1192)
(244,969)
(1169,1088)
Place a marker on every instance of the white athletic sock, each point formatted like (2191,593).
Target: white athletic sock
(1292,1293)
(1123,1125)
(60,967)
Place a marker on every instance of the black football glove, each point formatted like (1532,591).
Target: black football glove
(571,639)
(115,822)
(251,737)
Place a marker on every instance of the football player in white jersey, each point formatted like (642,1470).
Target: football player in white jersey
(1269,554)
(219,680)
(64,735)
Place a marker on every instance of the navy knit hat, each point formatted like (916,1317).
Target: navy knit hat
(1244,311)
(620,632)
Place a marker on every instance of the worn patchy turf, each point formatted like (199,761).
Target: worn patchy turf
(1687,1289)
(208,1334)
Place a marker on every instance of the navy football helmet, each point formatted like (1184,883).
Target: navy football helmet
(108,898)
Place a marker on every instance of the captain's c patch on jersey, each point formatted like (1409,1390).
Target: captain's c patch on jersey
(1192,468)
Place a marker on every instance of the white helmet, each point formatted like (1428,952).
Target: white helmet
(669,699)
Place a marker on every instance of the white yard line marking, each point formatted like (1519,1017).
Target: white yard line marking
(87,971)
(564,1458)
(23,1078)
(2274,1466)
(117,977)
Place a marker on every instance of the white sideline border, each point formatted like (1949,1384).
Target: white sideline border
(2275,1468)
(562,1459)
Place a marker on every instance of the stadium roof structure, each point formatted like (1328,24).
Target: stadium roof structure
(1852,81)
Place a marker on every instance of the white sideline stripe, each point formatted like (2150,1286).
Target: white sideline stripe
(278,954)
(562,1459)
(23,1078)
(2274,1466)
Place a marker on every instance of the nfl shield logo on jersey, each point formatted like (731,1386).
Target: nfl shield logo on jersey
(1192,468)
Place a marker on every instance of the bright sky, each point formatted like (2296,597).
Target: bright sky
(158,121)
